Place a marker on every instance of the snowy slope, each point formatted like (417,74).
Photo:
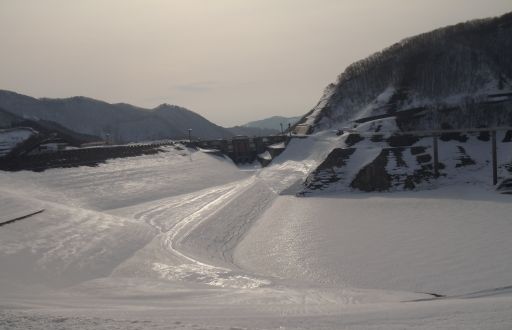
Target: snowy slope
(184,239)
(457,77)
(64,245)
(75,240)
(462,69)
(121,182)
(386,162)
(448,241)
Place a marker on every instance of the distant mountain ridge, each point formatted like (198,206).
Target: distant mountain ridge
(264,127)
(252,131)
(122,122)
(273,123)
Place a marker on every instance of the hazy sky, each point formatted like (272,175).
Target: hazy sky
(229,60)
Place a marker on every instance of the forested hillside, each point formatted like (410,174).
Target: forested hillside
(463,66)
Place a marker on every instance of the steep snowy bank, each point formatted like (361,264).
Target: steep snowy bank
(447,241)
(74,240)
(125,182)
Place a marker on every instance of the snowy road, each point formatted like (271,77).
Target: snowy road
(186,240)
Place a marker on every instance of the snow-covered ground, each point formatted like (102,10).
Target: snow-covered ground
(186,240)
(447,241)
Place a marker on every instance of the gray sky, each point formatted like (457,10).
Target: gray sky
(229,60)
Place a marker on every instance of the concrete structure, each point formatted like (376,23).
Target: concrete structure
(242,149)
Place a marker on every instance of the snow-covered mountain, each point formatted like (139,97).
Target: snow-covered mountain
(123,122)
(445,76)
(458,77)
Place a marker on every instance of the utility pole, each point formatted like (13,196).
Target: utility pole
(190,135)
(282,132)
(494,158)
(436,158)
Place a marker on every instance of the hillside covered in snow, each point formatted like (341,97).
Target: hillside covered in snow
(390,105)
(447,75)
(120,122)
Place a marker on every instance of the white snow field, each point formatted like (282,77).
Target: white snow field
(187,240)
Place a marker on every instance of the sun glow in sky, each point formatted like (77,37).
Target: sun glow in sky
(229,60)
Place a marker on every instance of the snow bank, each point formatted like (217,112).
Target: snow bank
(447,241)
(125,182)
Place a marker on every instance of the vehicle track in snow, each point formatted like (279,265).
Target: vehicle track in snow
(177,217)
(204,228)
